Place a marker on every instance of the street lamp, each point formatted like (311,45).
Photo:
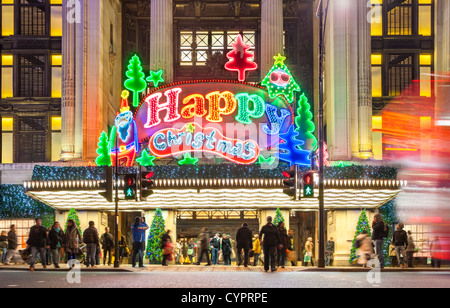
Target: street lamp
(322,19)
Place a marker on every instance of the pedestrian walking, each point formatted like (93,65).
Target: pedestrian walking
(435,251)
(400,239)
(244,243)
(4,245)
(256,249)
(380,229)
(291,254)
(177,249)
(365,248)
(284,243)
(270,240)
(329,251)
(309,252)
(410,250)
(12,244)
(56,241)
(107,241)
(138,231)
(226,249)
(124,251)
(38,242)
(215,247)
(91,239)
(167,248)
(72,239)
(203,238)
(191,250)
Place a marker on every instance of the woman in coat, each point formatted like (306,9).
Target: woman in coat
(56,240)
(72,238)
(410,250)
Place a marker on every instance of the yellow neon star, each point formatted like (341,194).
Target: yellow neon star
(279,59)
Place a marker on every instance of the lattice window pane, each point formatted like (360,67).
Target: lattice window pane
(186,39)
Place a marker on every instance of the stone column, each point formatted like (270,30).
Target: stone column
(271,33)
(364,81)
(161,38)
(68,86)
(442,59)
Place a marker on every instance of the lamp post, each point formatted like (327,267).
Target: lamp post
(321,259)
(116,215)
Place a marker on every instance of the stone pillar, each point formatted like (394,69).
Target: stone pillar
(442,59)
(161,38)
(364,81)
(348,97)
(68,86)
(271,32)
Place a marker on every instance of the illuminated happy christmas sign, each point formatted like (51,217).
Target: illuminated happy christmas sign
(229,119)
(232,120)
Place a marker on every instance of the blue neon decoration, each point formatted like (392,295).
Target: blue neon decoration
(290,151)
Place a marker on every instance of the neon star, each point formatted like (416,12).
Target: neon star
(190,128)
(279,59)
(155,77)
(188,160)
(145,159)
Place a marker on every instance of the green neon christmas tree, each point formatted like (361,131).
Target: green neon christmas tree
(157,229)
(278,217)
(73,214)
(104,158)
(305,125)
(363,224)
(279,81)
(136,79)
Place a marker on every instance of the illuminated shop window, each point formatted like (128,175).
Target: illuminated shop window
(7,140)
(377,89)
(55,17)
(377,135)
(425,75)
(7,75)
(56,137)
(7,11)
(425,17)
(376,24)
(56,75)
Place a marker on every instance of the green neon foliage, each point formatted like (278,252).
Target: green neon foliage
(305,125)
(155,78)
(146,160)
(269,160)
(136,79)
(104,158)
(188,160)
(283,88)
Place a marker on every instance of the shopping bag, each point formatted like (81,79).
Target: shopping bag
(291,255)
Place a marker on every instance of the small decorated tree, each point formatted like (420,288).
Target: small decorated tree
(74,216)
(104,158)
(136,79)
(157,229)
(240,59)
(363,224)
(278,217)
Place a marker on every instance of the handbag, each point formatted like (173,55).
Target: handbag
(168,249)
(291,255)
(251,253)
(190,251)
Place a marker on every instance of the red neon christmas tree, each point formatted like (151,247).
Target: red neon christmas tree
(240,59)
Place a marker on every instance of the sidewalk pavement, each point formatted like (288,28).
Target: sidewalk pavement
(215,268)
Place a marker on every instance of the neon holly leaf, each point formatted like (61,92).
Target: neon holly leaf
(146,160)
(261,160)
(240,59)
(155,78)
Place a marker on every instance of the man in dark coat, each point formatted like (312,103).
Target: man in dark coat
(270,243)
(107,242)
(244,238)
(91,239)
(12,244)
(204,246)
(38,242)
